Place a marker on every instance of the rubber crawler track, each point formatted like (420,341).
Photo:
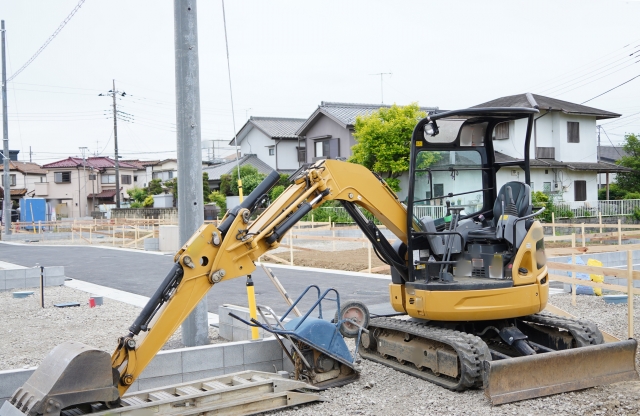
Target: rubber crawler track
(585,333)
(471,350)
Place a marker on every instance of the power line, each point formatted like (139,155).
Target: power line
(605,133)
(610,89)
(235,137)
(48,41)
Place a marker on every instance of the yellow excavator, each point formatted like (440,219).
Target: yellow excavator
(469,279)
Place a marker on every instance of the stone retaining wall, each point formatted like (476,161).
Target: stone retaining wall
(30,277)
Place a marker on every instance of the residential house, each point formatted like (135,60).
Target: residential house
(328,132)
(564,149)
(231,167)
(609,154)
(273,140)
(73,184)
(24,176)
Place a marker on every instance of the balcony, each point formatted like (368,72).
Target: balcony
(42,188)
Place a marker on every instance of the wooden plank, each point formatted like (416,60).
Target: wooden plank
(280,289)
(564,251)
(385,268)
(589,283)
(605,271)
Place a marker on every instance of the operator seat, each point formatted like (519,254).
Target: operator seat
(521,197)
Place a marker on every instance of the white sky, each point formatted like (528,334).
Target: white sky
(288,56)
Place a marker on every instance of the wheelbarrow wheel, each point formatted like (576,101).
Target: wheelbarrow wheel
(356,310)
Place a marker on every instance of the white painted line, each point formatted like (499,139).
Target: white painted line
(330,271)
(10,266)
(132,250)
(119,295)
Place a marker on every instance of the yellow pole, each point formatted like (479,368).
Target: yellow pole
(251,295)
(630,291)
(240,188)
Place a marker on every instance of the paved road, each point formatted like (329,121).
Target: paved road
(141,273)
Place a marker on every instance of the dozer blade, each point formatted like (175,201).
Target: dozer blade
(72,373)
(521,378)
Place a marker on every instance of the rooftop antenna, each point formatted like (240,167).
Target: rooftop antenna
(381,91)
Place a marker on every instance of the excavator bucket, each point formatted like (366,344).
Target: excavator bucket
(521,378)
(72,373)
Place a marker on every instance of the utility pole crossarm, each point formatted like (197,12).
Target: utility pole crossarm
(381,89)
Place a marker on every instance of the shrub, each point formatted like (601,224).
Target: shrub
(220,200)
(148,202)
(276,191)
(632,195)
(615,192)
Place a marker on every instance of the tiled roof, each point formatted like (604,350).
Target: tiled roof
(272,127)
(345,113)
(14,192)
(224,168)
(25,167)
(101,162)
(600,167)
(611,153)
(547,103)
(107,193)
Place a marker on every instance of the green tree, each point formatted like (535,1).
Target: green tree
(615,192)
(220,200)
(155,187)
(630,181)
(250,176)
(148,202)
(276,191)
(172,185)
(383,141)
(138,195)
(205,187)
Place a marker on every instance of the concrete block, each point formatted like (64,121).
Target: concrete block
(261,351)
(163,364)
(233,355)
(199,375)
(31,282)
(202,358)
(54,281)
(267,366)
(240,334)
(154,382)
(223,315)
(10,380)
(229,370)
(54,271)
(225,332)
(15,279)
(32,272)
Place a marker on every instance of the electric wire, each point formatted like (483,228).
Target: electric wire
(617,86)
(48,41)
(235,137)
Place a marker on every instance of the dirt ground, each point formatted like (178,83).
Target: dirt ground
(349,260)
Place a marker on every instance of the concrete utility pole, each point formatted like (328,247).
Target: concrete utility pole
(195,329)
(6,206)
(84,173)
(115,142)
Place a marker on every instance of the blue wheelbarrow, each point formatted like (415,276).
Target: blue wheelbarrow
(315,346)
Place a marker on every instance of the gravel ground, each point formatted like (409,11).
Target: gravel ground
(29,332)
(383,391)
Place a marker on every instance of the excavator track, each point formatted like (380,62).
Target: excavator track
(470,350)
(584,333)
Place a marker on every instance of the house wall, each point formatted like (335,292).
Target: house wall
(287,155)
(552,132)
(565,179)
(256,142)
(326,126)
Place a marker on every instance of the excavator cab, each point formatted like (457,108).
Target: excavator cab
(466,231)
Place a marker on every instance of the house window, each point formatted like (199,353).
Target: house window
(135,179)
(580,190)
(501,131)
(302,154)
(108,179)
(126,179)
(573,132)
(272,151)
(170,174)
(438,190)
(546,187)
(533,189)
(13,180)
(327,149)
(62,177)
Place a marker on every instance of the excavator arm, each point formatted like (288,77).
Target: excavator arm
(215,254)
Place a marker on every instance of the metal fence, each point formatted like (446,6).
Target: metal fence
(607,208)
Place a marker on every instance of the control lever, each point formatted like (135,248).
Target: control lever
(448,206)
